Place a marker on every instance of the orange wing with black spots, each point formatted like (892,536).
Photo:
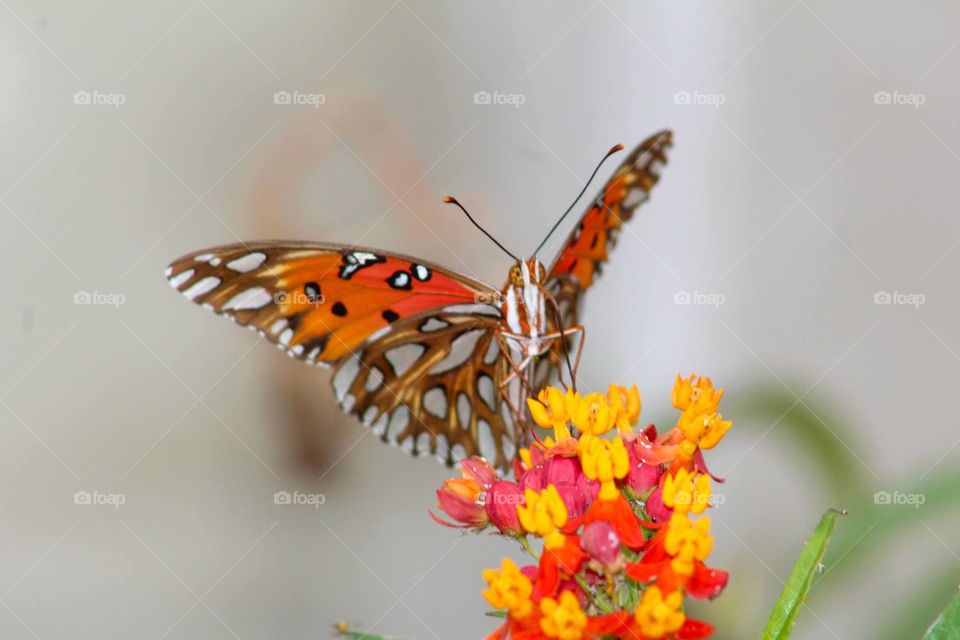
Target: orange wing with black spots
(588,246)
(320,302)
(415,346)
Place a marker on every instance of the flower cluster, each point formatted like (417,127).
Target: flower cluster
(619,512)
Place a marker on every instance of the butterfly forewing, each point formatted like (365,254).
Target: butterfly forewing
(320,302)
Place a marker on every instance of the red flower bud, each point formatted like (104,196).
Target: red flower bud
(502,501)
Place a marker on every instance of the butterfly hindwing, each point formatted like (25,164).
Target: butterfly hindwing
(432,385)
(588,246)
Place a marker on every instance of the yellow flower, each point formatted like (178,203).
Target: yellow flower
(714,432)
(625,404)
(543,514)
(686,491)
(696,392)
(605,461)
(592,414)
(687,541)
(551,410)
(564,619)
(508,589)
(658,616)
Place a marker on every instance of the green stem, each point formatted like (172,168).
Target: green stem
(525,543)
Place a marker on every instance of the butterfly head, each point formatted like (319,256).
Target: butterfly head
(526,273)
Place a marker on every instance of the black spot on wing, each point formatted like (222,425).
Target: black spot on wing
(339,309)
(390,315)
(400,280)
(312,291)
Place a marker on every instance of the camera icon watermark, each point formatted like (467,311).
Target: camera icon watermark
(299,297)
(98,498)
(896,498)
(99,298)
(99,98)
(715,300)
(915,100)
(297,98)
(900,298)
(515,100)
(314,500)
(701,98)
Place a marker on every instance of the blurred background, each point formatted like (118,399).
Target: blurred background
(801,249)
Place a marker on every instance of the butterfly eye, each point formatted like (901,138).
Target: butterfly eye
(543,272)
(516,276)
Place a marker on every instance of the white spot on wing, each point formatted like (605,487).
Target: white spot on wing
(634,197)
(343,378)
(486,391)
(181,277)
(423,443)
(253,298)
(374,380)
(278,326)
(443,449)
(285,336)
(488,446)
(398,421)
(246,263)
(433,324)
(204,257)
(461,349)
(493,351)
(380,426)
(464,409)
(435,402)
(206,285)
(479,309)
(403,357)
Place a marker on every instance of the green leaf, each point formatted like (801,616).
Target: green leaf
(947,624)
(797,587)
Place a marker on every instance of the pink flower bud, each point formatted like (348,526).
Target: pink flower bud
(574,499)
(502,501)
(459,499)
(533,479)
(601,541)
(559,470)
(642,477)
(478,470)
(655,508)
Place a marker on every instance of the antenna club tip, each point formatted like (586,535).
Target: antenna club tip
(615,149)
(450,200)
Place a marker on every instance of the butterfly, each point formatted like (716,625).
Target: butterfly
(432,360)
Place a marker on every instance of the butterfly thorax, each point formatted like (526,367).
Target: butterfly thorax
(524,308)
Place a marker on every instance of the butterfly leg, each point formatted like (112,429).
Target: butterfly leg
(562,335)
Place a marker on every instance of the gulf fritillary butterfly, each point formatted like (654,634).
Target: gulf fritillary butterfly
(428,358)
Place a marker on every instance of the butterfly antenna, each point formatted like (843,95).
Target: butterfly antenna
(452,200)
(612,151)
